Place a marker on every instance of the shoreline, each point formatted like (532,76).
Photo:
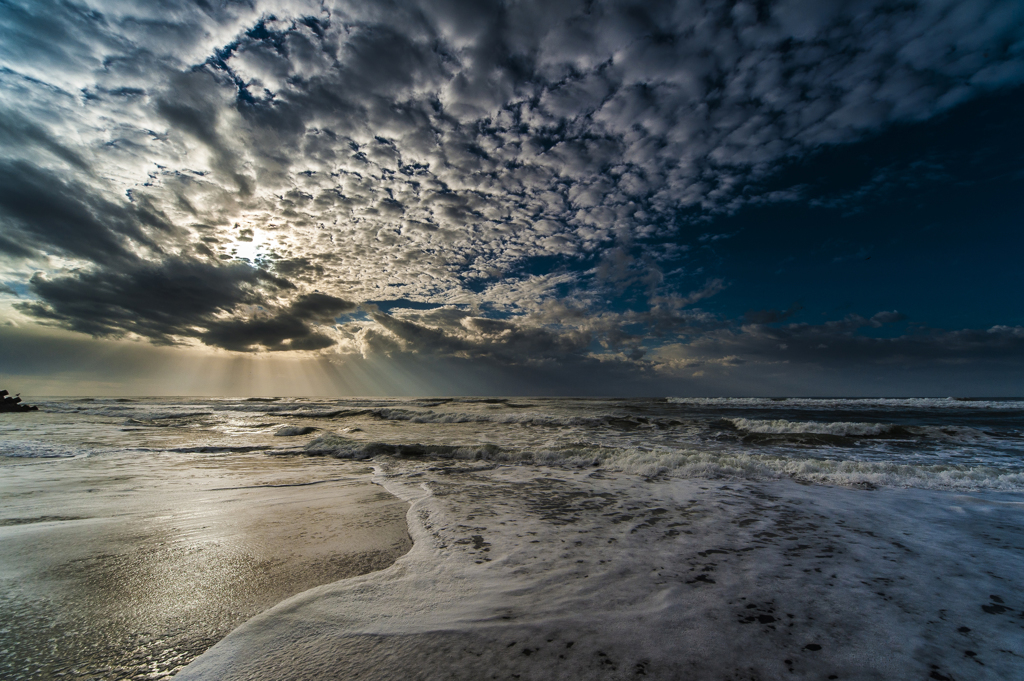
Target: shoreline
(149,561)
(549,573)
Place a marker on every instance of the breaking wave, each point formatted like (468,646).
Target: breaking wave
(619,422)
(831,404)
(689,463)
(812,432)
(169,420)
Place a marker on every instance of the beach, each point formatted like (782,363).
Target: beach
(470,538)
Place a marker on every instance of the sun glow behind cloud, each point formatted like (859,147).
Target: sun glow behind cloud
(250,246)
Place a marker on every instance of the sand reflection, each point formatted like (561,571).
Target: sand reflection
(125,566)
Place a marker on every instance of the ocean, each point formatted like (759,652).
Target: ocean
(551,537)
(920,442)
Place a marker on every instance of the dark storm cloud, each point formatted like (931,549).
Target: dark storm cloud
(42,212)
(320,306)
(181,299)
(276,333)
(158,301)
(543,173)
(293,328)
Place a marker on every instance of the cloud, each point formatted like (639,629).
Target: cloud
(42,212)
(274,333)
(840,344)
(156,301)
(295,327)
(241,174)
(224,306)
(465,336)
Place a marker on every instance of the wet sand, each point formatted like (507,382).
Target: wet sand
(129,566)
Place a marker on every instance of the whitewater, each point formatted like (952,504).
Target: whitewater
(615,538)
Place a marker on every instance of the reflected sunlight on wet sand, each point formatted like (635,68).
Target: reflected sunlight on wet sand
(119,566)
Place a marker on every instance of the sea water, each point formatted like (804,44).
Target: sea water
(615,538)
(921,442)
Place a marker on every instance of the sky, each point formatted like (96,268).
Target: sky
(802,197)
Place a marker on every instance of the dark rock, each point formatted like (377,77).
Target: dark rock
(13,404)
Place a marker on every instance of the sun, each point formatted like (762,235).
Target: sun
(250,245)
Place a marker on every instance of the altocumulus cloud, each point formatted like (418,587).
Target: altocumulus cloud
(516,181)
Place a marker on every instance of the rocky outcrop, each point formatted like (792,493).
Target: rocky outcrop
(9,403)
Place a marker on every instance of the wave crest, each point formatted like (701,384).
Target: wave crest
(688,463)
(770,431)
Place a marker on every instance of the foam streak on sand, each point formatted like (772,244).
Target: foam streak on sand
(537,573)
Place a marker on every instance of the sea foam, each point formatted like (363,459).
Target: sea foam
(548,574)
